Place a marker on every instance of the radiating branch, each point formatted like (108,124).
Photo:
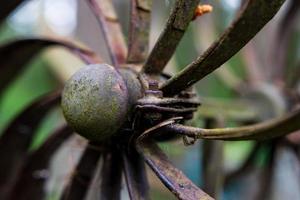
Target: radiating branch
(111,176)
(111,30)
(135,175)
(213,162)
(170,176)
(254,74)
(17,54)
(245,167)
(280,50)
(295,77)
(83,174)
(253,17)
(284,186)
(7,7)
(17,137)
(182,13)
(34,175)
(267,177)
(139,33)
(261,131)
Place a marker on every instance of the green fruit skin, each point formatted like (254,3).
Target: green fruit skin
(95,101)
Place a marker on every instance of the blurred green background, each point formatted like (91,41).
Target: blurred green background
(69,19)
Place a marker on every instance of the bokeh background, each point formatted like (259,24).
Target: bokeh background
(72,20)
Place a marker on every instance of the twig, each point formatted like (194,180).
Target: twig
(111,30)
(182,14)
(170,176)
(140,20)
(16,139)
(279,52)
(261,131)
(83,174)
(111,176)
(135,175)
(213,158)
(34,175)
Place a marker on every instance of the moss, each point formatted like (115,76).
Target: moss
(95,101)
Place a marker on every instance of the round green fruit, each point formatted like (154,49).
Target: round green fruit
(95,101)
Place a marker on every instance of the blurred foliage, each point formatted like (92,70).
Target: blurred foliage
(35,81)
(38,79)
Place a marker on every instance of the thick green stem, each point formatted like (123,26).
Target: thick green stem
(261,131)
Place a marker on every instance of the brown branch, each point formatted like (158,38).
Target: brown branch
(17,137)
(254,16)
(135,175)
(140,20)
(83,174)
(246,166)
(182,14)
(213,162)
(255,74)
(279,52)
(266,179)
(32,178)
(295,77)
(111,176)
(16,55)
(111,30)
(7,7)
(170,176)
(213,167)
(286,160)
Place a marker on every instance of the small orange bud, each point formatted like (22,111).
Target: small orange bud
(202,9)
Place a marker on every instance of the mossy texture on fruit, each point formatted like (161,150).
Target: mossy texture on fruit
(133,85)
(95,101)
